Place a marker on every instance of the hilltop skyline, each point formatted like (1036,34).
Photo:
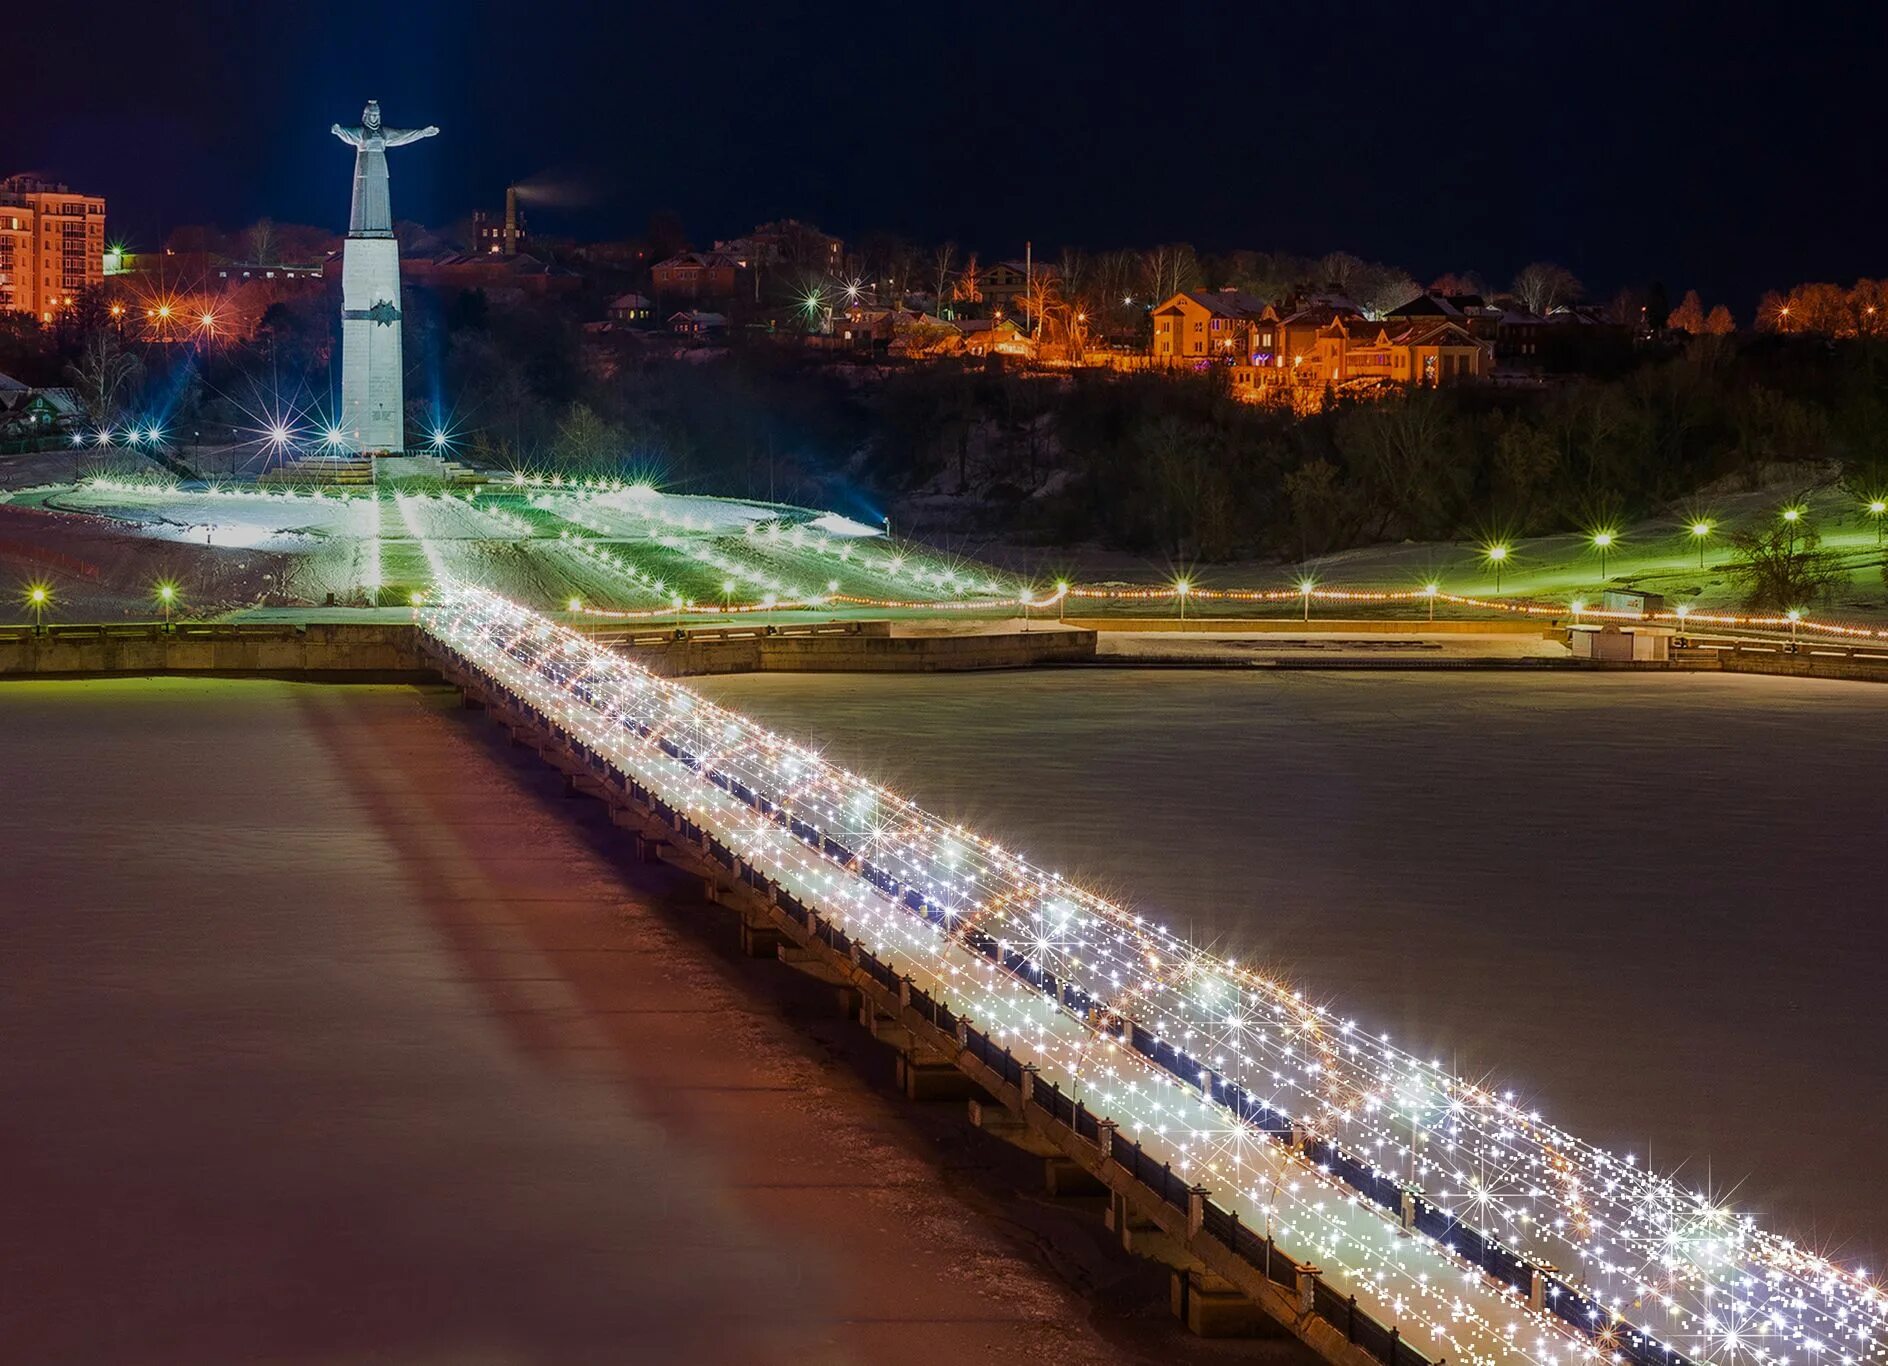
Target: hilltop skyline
(1628,147)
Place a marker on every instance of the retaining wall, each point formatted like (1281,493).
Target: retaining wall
(1297,625)
(389,652)
(320,652)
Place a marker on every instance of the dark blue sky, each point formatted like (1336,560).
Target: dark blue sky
(1725,147)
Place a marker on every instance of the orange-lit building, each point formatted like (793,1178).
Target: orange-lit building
(52,245)
(1213,325)
(1351,354)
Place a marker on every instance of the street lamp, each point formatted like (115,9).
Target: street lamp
(1603,542)
(1876,507)
(1496,555)
(1794,616)
(1429,591)
(575,604)
(1304,588)
(1701,532)
(1061,599)
(39,595)
(167,597)
(1182,588)
(1792,516)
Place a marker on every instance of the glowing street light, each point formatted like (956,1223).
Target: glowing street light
(1430,590)
(1496,555)
(37,597)
(167,598)
(575,604)
(1791,517)
(1876,507)
(1603,542)
(1579,606)
(1701,532)
(1305,587)
(1181,588)
(1793,616)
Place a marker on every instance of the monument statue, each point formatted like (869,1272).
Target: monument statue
(372,214)
(373,390)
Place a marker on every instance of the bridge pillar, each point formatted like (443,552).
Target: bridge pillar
(923,1078)
(1211,1307)
(1307,1292)
(1064,1178)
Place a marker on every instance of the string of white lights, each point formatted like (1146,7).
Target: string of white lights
(1639,1254)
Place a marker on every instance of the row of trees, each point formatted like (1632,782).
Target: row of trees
(1826,310)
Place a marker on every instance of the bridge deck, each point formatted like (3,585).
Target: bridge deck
(1066,984)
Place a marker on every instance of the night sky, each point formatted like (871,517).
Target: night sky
(1727,147)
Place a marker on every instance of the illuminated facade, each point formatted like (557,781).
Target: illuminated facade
(52,245)
(1212,324)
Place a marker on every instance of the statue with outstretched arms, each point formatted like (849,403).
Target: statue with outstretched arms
(372,214)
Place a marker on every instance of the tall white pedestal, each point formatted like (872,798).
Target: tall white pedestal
(373,393)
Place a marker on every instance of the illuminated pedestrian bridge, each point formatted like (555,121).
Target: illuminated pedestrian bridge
(1421,1216)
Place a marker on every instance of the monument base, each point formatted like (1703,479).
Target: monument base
(373,391)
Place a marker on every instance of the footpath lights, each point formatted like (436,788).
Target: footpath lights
(1077,984)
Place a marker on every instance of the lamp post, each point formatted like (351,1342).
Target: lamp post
(1182,588)
(1304,589)
(1429,591)
(1497,555)
(1794,616)
(1791,517)
(1876,508)
(38,597)
(1061,599)
(167,595)
(1602,542)
(1701,532)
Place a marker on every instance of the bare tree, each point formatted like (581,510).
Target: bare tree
(104,375)
(1039,296)
(1340,270)
(1454,283)
(1169,270)
(969,286)
(1780,567)
(1378,289)
(942,262)
(262,242)
(1544,286)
